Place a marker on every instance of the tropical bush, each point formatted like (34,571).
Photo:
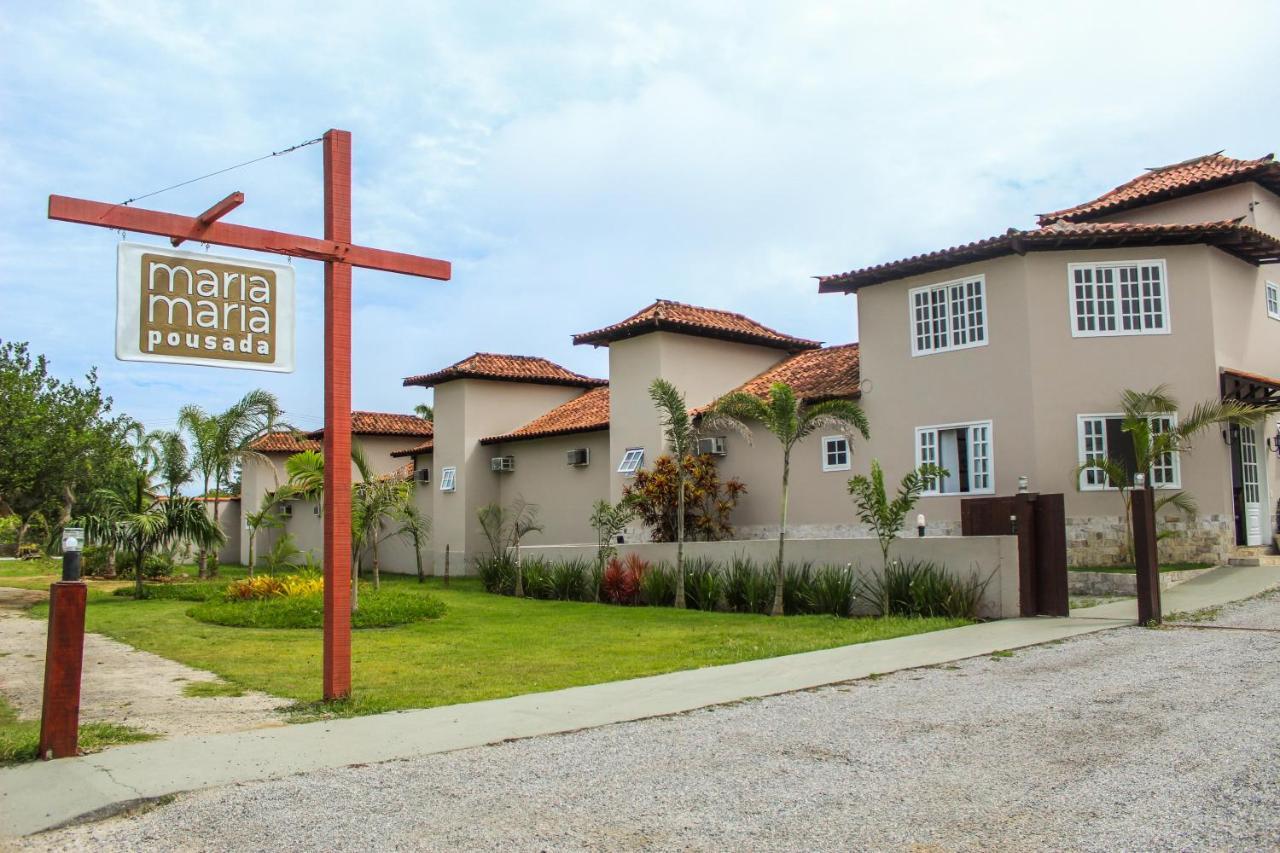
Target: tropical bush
(833,590)
(621,581)
(797,588)
(174,591)
(497,574)
(568,580)
(153,565)
(703,584)
(658,586)
(708,503)
(922,588)
(537,578)
(378,609)
(748,587)
(29,551)
(272,586)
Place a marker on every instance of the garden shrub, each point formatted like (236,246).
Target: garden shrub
(654,496)
(621,581)
(273,586)
(702,584)
(537,578)
(378,609)
(658,586)
(568,579)
(93,559)
(832,590)
(922,588)
(797,589)
(154,565)
(497,574)
(748,587)
(29,551)
(174,591)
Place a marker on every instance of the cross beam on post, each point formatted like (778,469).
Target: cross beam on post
(339,255)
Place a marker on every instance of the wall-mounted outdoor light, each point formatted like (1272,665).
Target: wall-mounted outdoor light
(1273,443)
(920,525)
(1024,483)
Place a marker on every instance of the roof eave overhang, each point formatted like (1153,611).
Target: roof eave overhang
(507,439)
(1266,175)
(432,380)
(604,337)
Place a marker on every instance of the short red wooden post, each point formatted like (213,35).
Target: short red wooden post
(337,420)
(1146,559)
(64,659)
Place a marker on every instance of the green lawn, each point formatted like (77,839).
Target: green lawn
(1129,570)
(20,739)
(484,647)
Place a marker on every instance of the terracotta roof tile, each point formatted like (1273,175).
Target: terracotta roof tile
(384,423)
(586,413)
(1230,235)
(667,316)
(1190,176)
(506,368)
(284,442)
(427,446)
(819,374)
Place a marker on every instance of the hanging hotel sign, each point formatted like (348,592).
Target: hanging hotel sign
(194,308)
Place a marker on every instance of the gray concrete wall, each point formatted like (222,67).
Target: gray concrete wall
(987,555)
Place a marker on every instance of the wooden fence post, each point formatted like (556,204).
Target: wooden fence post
(1146,560)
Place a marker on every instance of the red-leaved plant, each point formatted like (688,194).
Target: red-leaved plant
(620,583)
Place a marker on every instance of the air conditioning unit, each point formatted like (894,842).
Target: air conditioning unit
(422,475)
(713,445)
(579,457)
(502,463)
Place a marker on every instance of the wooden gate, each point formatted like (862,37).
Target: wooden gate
(1040,523)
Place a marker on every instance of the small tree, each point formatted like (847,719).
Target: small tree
(267,516)
(680,435)
(885,517)
(708,503)
(608,521)
(790,421)
(415,527)
(1151,420)
(503,528)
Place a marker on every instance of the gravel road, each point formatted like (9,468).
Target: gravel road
(1130,739)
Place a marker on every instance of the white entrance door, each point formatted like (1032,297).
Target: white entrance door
(1249,476)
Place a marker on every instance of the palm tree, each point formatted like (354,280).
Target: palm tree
(505,527)
(267,515)
(138,521)
(174,466)
(204,456)
(790,421)
(424,411)
(416,527)
(680,434)
(1151,420)
(374,501)
(223,441)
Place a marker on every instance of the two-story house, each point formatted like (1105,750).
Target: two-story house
(1006,357)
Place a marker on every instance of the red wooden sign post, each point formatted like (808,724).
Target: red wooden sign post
(339,255)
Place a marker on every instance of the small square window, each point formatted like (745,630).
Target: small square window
(447,477)
(631,461)
(835,453)
(1273,300)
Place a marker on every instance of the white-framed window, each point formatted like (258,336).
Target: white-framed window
(448,477)
(964,451)
(948,316)
(1102,436)
(835,453)
(1273,300)
(631,461)
(1121,298)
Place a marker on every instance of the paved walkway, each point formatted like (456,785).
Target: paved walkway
(121,684)
(39,796)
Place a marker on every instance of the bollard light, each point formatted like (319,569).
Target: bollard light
(1139,481)
(920,525)
(72,543)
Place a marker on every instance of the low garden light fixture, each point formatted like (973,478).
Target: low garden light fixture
(920,525)
(1139,481)
(72,543)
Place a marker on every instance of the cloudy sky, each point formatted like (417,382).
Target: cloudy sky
(577,160)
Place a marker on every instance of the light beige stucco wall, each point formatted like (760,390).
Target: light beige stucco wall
(467,410)
(702,368)
(564,494)
(994,556)
(1212,206)
(819,504)
(228,515)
